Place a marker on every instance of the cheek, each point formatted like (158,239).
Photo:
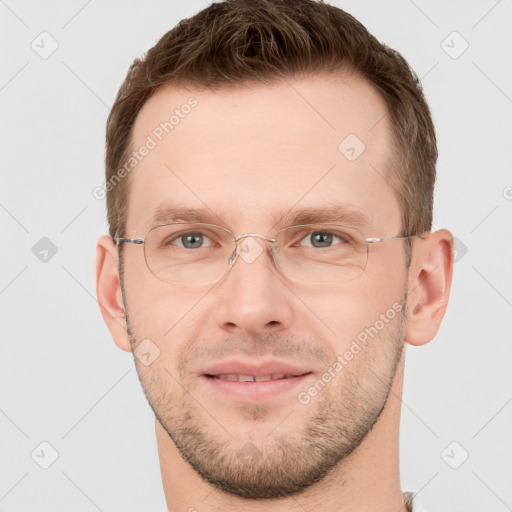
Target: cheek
(348,316)
(384,281)
(385,266)
(156,309)
(168,315)
(352,307)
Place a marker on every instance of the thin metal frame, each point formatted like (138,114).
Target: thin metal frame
(231,261)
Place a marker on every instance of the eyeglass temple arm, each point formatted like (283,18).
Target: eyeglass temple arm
(120,241)
(385,239)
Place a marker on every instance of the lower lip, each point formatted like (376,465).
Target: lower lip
(261,390)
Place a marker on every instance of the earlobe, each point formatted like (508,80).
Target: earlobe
(430,278)
(108,291)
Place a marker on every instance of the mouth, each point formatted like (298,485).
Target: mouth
(253,378)
(253,383)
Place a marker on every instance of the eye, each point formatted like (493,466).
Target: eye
(324,238)
(191,240)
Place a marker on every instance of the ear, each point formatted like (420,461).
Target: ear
(108,291)
(430,279)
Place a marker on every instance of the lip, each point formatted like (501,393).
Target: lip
(258,370)
(255,391)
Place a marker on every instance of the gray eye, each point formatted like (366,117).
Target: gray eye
(322,239)
(191,240)
(319,239)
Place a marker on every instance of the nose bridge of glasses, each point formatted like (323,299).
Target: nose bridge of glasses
(256,235)
(232,258)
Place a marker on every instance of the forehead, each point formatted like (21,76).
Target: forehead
(248,153)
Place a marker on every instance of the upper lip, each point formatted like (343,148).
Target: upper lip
(255,369)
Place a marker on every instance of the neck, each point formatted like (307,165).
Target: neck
(365,481)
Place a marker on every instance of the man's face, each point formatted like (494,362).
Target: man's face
(245,155)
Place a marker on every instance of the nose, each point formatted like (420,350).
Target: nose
(253,297)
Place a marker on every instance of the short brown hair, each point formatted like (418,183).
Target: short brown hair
(237,42)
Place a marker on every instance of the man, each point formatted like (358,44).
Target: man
(270,170)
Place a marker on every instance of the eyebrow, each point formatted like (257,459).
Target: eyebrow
(333,212)
(166,213)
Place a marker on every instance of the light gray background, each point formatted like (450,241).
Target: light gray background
(63,381)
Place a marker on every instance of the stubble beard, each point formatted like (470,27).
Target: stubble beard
(283,464)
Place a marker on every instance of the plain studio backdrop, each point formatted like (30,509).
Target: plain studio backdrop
(71,400)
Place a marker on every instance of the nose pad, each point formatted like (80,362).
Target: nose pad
(232,258)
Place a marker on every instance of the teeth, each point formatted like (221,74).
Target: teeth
(261,379)
(251,378)
(228,376)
